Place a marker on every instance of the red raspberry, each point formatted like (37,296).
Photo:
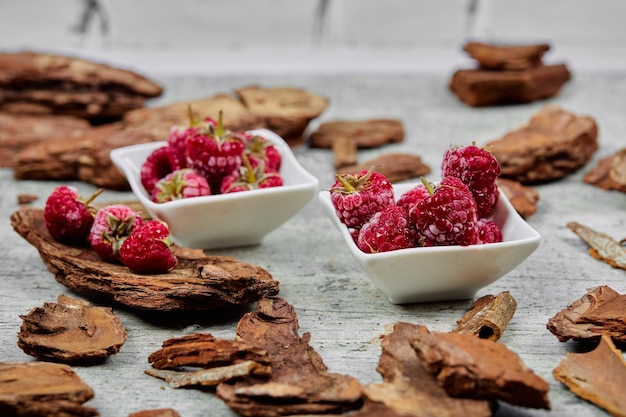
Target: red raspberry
(159,163)
(112,225)
(409,199)
(177,141)
(357,197)
(448,216)
(387,230)
(488,231)
(182,183)
(478,169)
(214,153)
(258,149)
(248,177)
(148,249)
(67,217)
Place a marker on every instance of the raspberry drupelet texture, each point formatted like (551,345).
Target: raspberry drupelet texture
(488,231)
(259,149)
(387,230)
(478,169)
(182,183)
(67,217)
(159,163)
(148,249)
(357,197)
(249,177)
(448,216)
(112,225)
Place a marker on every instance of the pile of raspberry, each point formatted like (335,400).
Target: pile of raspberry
(205,159)
(453,212)
(117,233)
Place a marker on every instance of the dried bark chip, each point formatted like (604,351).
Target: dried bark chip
(480,88)
(600,311)
(43,389)
(199,282)
(26,198)
(408,388)
(345,152)
(598,376)
(285,110)
(161,412)
(506,57)
(488,316)
(299,382)
(523,198)
(554,144)
(395,166)
(71,331)
(370,133)
(211,376)
(609,173)
(467,366)
(601,246)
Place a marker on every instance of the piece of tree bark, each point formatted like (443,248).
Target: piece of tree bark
(408,388)
(199,282)
(480,88)
(609,173)
(395,166)
(57,84)
(345,152)
(601,246)
(522,197)
(598,376)
(471,367)
(488,316)
(43,389)
(370,133)
(210,376)
(18,131)
(602,310)
(71,331)
(506,57)
(299,382)
(554,144)
(161,412)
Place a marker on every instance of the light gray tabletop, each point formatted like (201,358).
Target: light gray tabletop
(333,298)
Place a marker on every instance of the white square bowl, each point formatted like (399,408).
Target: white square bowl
(443,273)
(224,220)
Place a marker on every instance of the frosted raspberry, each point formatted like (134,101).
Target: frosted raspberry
(159,163)
(248,177)
(148,249)
(488,231)
(182,183)
(357,197)
(409,199)
(478,169)
(67,217)
(448,216)
(259,149)
(112,225)
(387,230)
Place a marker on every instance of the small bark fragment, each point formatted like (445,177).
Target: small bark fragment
(609,173)
(199,282)
(209,377)
(600,311)
(488,316)
(408,388)
(43,389)
(345,152)
(554,144)
(26,198)
(500,57)
(523,198)
(365,133)
(71,331)
(467,366)
(395,166)
(598,376)
(299,382)
(601,246)
(161,412)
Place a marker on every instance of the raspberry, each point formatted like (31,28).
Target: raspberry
(159,163)
(148,249)
(258,149)
(112,225)
(177,142)
(182,183)
(448,215)
(214,153)
(357,197)
(409,199)
(488,231)
(387,230)
(478,169)
(67,217)
(248,177)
